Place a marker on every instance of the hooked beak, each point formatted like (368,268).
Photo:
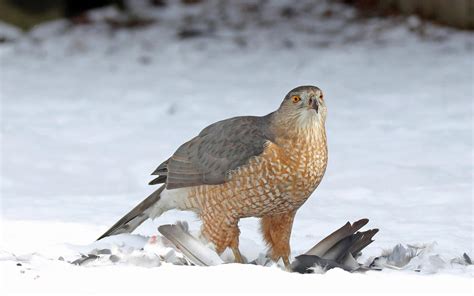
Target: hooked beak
(313,104)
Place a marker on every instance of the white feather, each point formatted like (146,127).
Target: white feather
(169,199)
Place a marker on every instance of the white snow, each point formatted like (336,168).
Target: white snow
(88,112)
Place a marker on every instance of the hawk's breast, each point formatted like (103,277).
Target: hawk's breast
(279,180)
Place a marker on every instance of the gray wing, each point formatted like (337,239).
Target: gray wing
(218,149)
(339,249)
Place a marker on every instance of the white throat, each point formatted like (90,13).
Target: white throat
(309,121)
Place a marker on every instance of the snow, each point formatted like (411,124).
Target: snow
(256,280)
(87,112)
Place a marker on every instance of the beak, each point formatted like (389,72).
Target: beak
(313,104)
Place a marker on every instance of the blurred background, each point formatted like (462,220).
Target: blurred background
(96,94)
(27,13)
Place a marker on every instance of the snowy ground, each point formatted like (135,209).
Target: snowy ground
(87,112)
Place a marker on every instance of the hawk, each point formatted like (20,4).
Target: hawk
(247,166)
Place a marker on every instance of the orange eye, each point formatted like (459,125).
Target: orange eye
(295,99)
(322,96)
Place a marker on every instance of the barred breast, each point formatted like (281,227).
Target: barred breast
(279,180)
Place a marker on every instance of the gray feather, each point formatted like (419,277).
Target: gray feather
(338,249)
(363,241)
(305,264)
(159,180)
(218,149)
(135,217)
(331,240)
(192,248)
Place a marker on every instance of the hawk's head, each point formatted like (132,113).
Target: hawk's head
(303,107)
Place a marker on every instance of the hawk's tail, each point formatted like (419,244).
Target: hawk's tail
(136,216)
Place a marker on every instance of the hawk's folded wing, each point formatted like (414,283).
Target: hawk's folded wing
(217,150)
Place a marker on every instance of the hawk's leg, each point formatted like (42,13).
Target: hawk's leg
(234,246)
(224,233)
(276,232)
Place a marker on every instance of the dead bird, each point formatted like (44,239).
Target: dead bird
(339,249)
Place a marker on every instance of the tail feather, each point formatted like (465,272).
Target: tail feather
(339,249)
(327,243)
(135,217)
(363,241)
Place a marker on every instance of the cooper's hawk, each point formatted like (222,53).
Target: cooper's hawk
(244,167)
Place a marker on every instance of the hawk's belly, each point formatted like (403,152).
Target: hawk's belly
(280,180)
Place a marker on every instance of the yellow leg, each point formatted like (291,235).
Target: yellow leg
(237,255)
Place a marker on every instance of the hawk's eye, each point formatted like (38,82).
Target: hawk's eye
(295,99)
(322,96)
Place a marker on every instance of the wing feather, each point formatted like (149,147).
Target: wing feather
(218,149)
